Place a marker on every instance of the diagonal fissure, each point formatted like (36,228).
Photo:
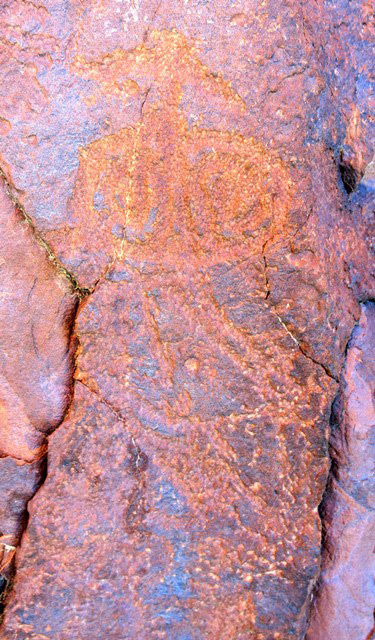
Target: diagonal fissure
(82,292)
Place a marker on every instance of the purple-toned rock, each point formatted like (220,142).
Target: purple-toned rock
(198,167)
(345,601)
(37,310)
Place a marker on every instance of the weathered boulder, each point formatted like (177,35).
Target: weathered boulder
(197,166)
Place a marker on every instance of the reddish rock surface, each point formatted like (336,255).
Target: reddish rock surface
(198,167)
(345,602)
(18,483)
(36,314)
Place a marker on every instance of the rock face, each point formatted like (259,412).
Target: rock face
(344,606)
(198,168)
(36,315)
(37,310)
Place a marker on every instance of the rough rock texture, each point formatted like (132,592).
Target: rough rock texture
(18,483)
(344,607)
(36,314)
(37,309)
(198,167)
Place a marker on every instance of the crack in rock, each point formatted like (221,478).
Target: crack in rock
(38,306)
(82,292)
(283,324)
(344,602)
